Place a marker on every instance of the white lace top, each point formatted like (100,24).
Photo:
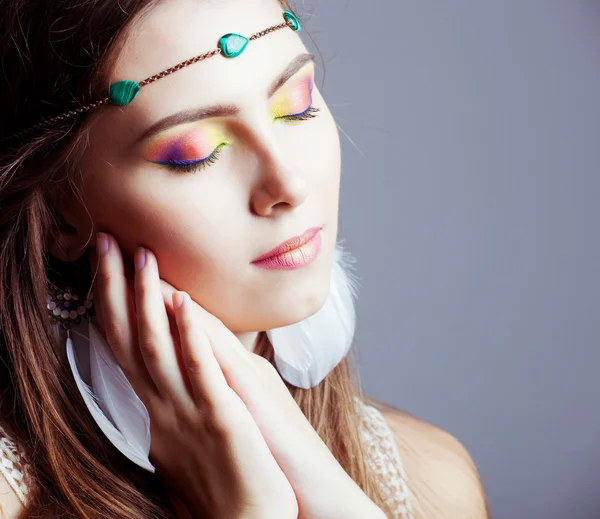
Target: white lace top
(382,451)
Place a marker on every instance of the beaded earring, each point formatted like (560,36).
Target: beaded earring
(106,391)
(67,308)
(305,353)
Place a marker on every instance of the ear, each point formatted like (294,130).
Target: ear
(73,234)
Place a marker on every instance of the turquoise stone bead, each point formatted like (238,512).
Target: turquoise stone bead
(291,17)
(232,44)
(123,92)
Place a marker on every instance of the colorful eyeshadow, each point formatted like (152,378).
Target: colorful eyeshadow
(295,98)
(180,147)
(192,146)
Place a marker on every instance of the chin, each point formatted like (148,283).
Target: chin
(296,305)
(304,308)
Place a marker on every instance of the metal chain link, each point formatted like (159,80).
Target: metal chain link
(147,81)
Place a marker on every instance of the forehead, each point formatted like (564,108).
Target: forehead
(176,30)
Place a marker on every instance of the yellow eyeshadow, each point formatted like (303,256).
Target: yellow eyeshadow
(294,98)
(197,143)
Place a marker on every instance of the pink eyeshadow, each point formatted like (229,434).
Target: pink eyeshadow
(191,146)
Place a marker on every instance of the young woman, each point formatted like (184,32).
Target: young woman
(175,316)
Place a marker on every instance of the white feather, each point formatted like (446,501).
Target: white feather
(111,400)
(306,352)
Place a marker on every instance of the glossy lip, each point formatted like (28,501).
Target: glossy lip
(291,244)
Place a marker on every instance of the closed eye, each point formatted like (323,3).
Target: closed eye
(193,166)
(309,113)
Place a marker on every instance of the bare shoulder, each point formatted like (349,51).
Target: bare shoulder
(440,473)
(10,505)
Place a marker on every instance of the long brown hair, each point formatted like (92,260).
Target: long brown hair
(52,54)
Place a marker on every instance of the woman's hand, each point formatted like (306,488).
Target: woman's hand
(205,443)
(322,487)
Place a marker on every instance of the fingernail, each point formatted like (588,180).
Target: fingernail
(178,299)
(101,244)
(140,258)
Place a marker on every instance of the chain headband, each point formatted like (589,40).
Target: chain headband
(123,92)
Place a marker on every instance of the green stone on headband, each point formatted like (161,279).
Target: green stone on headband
(123,92)
(291,17)
(230,45)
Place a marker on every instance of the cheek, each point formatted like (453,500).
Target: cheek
(325,150)
(313,146)
(160,212)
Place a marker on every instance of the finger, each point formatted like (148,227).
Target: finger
(175,334)
(206,318)
(97,312)
(117,317)
(168,292)
(207,321)
(232,357)
(241,368)
(205,375)
(155,341)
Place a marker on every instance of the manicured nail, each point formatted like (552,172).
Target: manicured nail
(178,299)
(140,258)
(101,244)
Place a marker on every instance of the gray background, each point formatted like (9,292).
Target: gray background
(470,201)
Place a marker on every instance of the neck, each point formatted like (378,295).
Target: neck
(249,340)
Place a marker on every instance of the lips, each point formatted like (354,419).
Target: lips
(291,244)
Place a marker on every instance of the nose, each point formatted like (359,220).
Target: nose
(280,185)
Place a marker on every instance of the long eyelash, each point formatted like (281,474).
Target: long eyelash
(194,167)
(308,114)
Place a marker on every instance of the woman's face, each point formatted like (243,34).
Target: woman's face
(272,177)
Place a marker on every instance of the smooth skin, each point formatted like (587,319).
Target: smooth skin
(213,401)
(274,180)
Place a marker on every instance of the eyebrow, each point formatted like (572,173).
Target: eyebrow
(220,110)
